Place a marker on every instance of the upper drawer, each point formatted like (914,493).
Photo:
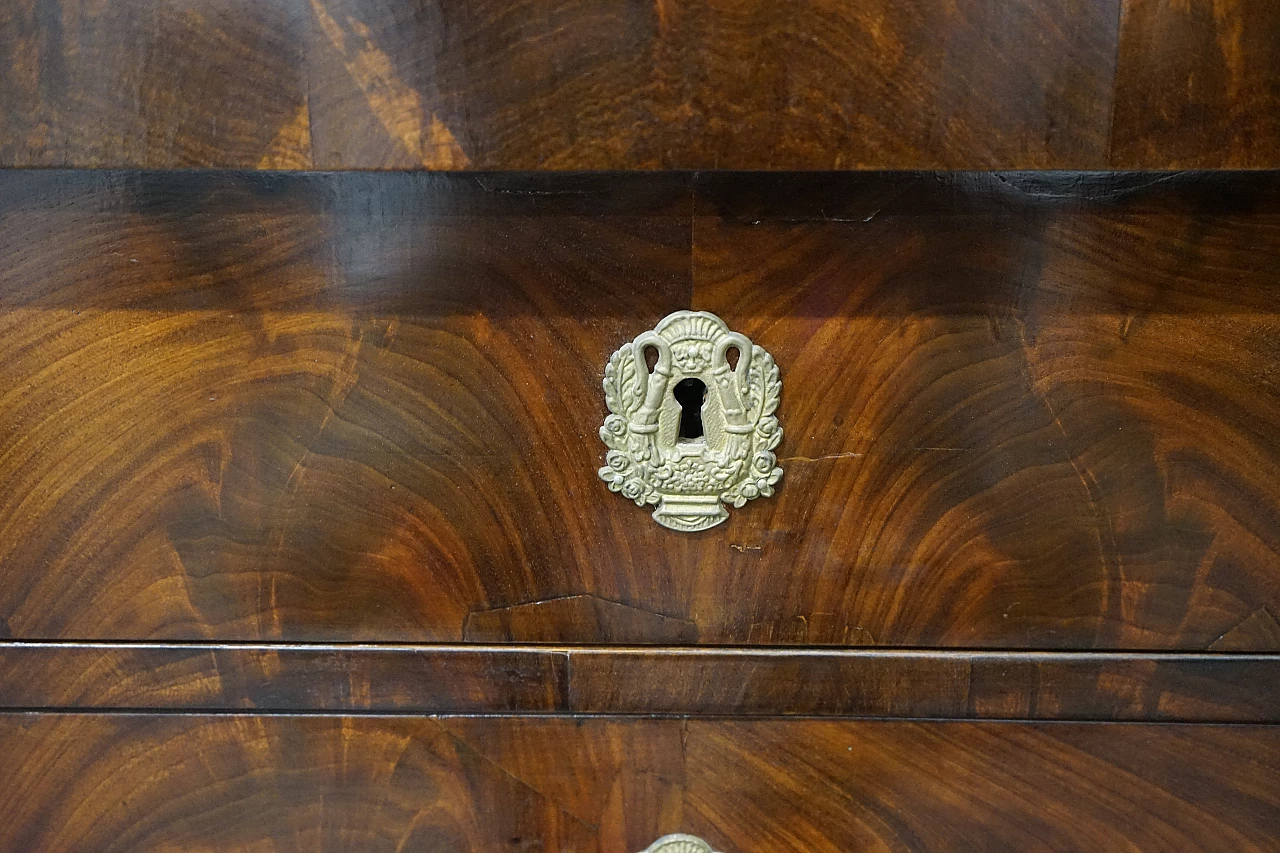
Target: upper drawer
(574,84)
(1018,411)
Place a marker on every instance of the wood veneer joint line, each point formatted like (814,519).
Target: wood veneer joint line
(619,717)
(707,651)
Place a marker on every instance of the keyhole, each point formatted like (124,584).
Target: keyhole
(690,393)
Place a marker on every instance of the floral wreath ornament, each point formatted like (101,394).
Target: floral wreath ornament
(694,432)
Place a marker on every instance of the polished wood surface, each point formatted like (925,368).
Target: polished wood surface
(277,678)
(166,84)
(281,445)
(141,783)
(327,407)
(610,680)
(1046,414)
(585,84)
(1020,410)
(832,788)
(928,684)
(1198,85)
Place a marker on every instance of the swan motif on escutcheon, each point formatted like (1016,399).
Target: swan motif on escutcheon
(691,425)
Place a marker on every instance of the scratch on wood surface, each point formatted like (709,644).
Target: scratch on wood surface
(822,458)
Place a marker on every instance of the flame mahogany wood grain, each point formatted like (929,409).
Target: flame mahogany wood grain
(220,83)
(189,783)
(825,787)
(649,680)
(557,84)
(584,84)
(713,84)
(1049,416)
(1022,411)
(142,783)
(1198,86)
(318,407)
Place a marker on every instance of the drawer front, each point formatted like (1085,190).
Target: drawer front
(881,84)
(142,783)
(1019,411)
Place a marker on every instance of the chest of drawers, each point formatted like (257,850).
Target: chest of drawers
(319,468)
(308,467)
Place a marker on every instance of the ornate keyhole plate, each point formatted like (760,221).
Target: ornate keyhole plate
(661,452)
(679,843)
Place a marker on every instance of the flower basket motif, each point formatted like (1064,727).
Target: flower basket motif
(652,458)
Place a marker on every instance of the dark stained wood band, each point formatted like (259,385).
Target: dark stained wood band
(858,198)
(949,685)
(738,196)
(288,678)
(657,681)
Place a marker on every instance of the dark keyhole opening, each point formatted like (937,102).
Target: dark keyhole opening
(689,394)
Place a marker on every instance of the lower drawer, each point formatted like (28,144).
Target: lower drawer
(170,782)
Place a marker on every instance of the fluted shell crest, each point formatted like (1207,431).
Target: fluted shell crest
(697,429)
(679,843)
(692,325)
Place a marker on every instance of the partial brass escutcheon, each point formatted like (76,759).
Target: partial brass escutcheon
(679,843)
(694,431)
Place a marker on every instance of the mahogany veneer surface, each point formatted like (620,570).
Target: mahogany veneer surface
(326,443)
(1020,411)
(608,680)
(590,84)
(1197,85)
(141,783)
